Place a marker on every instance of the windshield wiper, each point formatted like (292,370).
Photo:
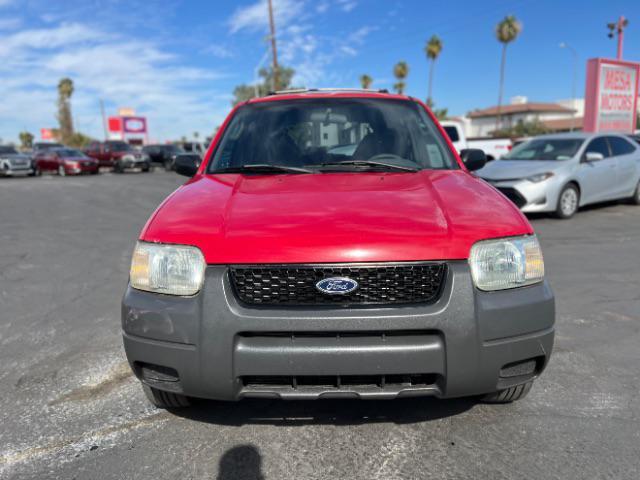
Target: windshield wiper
(370,163)
(263,168)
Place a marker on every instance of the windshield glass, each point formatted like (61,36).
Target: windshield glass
(7,150)
(545,149)
(69,153)
(120,147)
(309,133)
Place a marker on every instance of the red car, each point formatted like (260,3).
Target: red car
(64,161)
(334,245)
(118,155)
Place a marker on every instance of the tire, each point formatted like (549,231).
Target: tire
(117,168)
(635,198)
(61,171)
(508,395)
(146,168)
(568,202)
(36,172)
(162,399)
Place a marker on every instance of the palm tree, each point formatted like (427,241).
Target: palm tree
(506,32)
(366,81)
(432,49)
(400,71)
(65,119)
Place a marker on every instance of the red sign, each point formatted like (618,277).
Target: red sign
(611,98)
(115,124)
(46,134)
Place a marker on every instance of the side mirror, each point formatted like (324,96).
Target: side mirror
(593,157)
(187,165)
(473,158)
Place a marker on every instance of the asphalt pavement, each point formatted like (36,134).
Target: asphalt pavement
(71,408)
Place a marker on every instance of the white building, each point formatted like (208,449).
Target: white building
(557,116)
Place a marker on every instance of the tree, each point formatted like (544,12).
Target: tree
(244,92)
(366,81)
(65,90)
(440,113)
(196,135)
(400,71)
(506,32)
(26,140)
(522,129)
(78,140)
(432,50)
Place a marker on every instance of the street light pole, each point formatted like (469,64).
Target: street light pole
(573,83)
(618,28)
(272,28)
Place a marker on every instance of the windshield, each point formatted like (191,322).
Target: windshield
(313,132)
(7,150)
(120,147)
(69,153)
(545,149)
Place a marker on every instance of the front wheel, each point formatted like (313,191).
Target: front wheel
(508,395)
(162,399)
(36,172)
(568,202)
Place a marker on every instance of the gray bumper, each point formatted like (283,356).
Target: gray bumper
(459,346)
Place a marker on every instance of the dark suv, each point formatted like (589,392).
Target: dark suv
(165,154)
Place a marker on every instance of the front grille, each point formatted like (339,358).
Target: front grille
(385,284)
(340,381)
(513,195)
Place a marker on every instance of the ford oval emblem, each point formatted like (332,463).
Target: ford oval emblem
(336,285)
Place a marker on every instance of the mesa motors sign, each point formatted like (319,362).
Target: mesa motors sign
(127,125)
(611,99)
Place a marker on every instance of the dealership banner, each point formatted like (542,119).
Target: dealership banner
(611,97)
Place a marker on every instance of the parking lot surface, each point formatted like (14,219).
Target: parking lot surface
(71,408)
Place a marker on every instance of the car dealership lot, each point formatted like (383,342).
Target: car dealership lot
(71,409)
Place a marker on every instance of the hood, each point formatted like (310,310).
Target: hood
(517,169)
(334,217)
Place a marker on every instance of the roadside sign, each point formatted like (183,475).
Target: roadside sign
(611,97)
(46,134)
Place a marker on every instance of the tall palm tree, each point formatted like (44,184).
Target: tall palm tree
(432,48)
(400,71)
(366,81)
(506,32)
(65,119)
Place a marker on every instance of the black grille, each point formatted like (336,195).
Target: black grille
(340,381)
(513,195)
(377,284)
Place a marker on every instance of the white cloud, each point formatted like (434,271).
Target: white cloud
(219,51)
(10,23)
(256,16)
(176,98)
(5,3)
(347,5)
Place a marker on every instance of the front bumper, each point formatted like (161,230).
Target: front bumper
(528,196)
(214,347)
(16,171)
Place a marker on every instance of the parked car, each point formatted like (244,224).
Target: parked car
(64,161)
(193,147)
(13,163)
(37,146)
(282,270)
(562,172)
(493,147)
(163,153)
(118,155)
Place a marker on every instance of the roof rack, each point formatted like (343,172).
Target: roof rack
(309,90)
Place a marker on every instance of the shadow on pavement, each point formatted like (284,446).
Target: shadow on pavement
(242,462)
(321,412)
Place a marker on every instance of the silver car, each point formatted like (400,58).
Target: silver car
(13,163)
(560,173)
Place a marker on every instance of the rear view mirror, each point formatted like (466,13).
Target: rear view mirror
(473,158)
(187,165)
(593,157)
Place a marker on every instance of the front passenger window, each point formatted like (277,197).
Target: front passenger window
(599,145)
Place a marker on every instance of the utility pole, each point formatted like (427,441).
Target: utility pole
(274,50)
(573,84)
(618,28)
(104,119)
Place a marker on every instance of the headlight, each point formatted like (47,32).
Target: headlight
(541,177)
(169,269)
(506,263)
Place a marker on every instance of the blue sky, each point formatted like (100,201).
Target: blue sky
(177,61)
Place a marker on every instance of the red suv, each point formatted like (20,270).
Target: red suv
(334,245)
(118,155)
